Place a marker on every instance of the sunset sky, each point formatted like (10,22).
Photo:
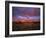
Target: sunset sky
(25,13)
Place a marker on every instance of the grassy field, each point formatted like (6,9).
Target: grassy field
(22,26)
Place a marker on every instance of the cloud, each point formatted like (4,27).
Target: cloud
(27,18)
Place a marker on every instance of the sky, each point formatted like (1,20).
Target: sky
(23,13)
